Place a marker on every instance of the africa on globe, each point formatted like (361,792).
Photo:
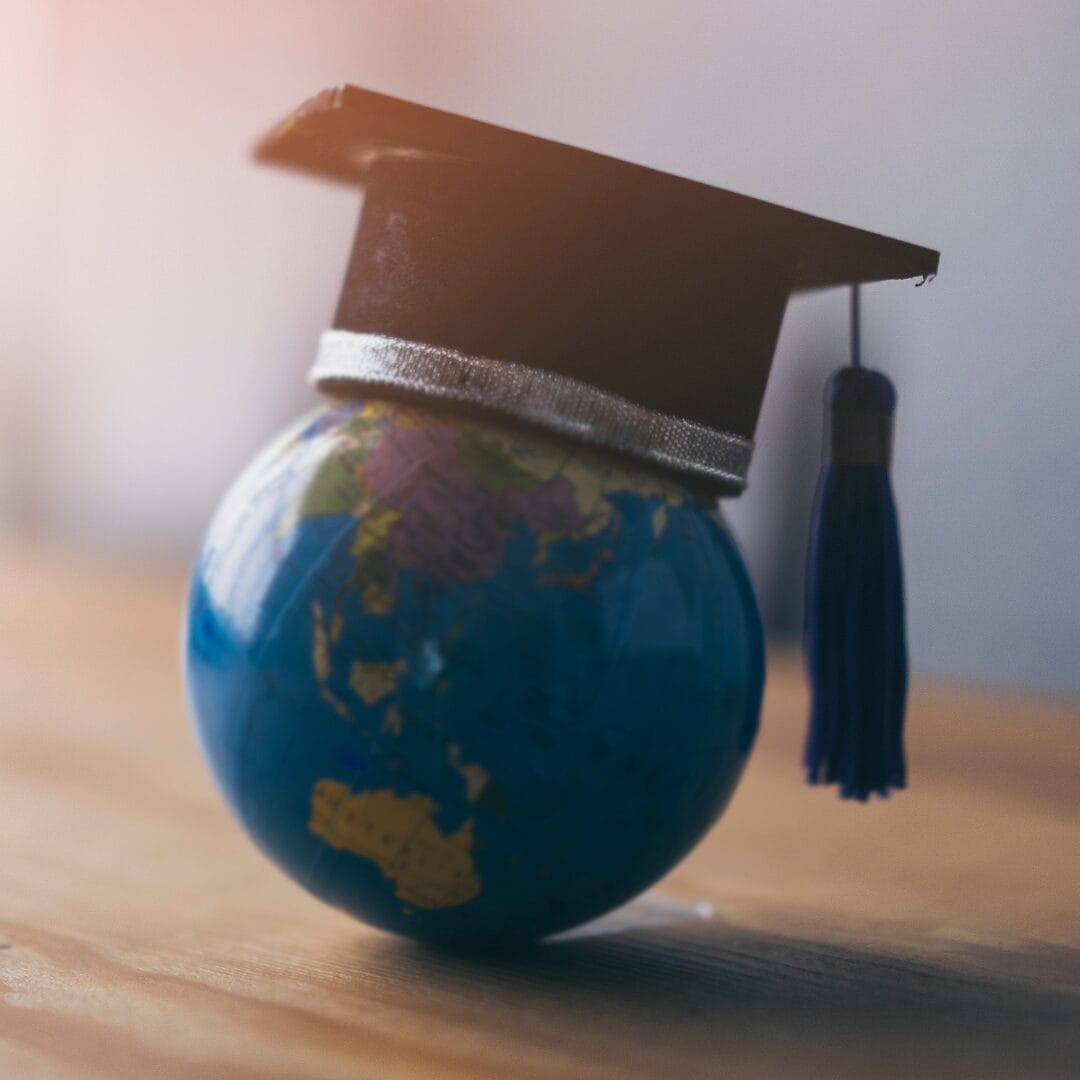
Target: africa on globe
(471,684)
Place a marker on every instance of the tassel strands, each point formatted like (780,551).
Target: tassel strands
(856,652)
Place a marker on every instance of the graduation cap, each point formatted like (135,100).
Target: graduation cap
(634,310)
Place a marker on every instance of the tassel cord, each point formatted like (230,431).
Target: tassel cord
(854,638)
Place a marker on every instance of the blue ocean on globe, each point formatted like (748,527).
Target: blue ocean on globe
(472,685)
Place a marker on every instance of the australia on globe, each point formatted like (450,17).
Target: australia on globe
(471,684)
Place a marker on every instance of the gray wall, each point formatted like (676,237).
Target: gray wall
(162,295)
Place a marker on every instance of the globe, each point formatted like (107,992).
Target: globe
(471,684)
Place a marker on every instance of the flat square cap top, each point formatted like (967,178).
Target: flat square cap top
(340,133)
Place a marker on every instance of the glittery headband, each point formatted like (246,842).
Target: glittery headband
(556,402)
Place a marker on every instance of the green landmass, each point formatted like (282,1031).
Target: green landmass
(490,464)
(335,488)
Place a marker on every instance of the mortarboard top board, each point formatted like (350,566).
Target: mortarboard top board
(617,291)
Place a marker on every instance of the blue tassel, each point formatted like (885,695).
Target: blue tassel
(855,644)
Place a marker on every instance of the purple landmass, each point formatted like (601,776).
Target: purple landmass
(452,526)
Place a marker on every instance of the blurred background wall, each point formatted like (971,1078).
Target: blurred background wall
(160,295)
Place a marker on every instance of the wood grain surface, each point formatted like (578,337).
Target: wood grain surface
(142,935)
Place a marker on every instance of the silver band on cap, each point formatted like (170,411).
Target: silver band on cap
(556,402)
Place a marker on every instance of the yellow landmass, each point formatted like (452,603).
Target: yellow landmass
(374,529)
(582,580)
(320,647)
(335,703)
(428,868)
(373,533)
(320,659)
(376,600)
(659,520)
(647,484)
(590,482)
(544,540)
(393,722)
(374,681)
(475,775)
(401,416)
(375,409)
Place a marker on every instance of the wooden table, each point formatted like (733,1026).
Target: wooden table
(143,936)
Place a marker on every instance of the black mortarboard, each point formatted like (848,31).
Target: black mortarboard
(634,310)
(662,291)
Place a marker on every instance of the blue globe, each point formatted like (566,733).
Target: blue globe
(471,685)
